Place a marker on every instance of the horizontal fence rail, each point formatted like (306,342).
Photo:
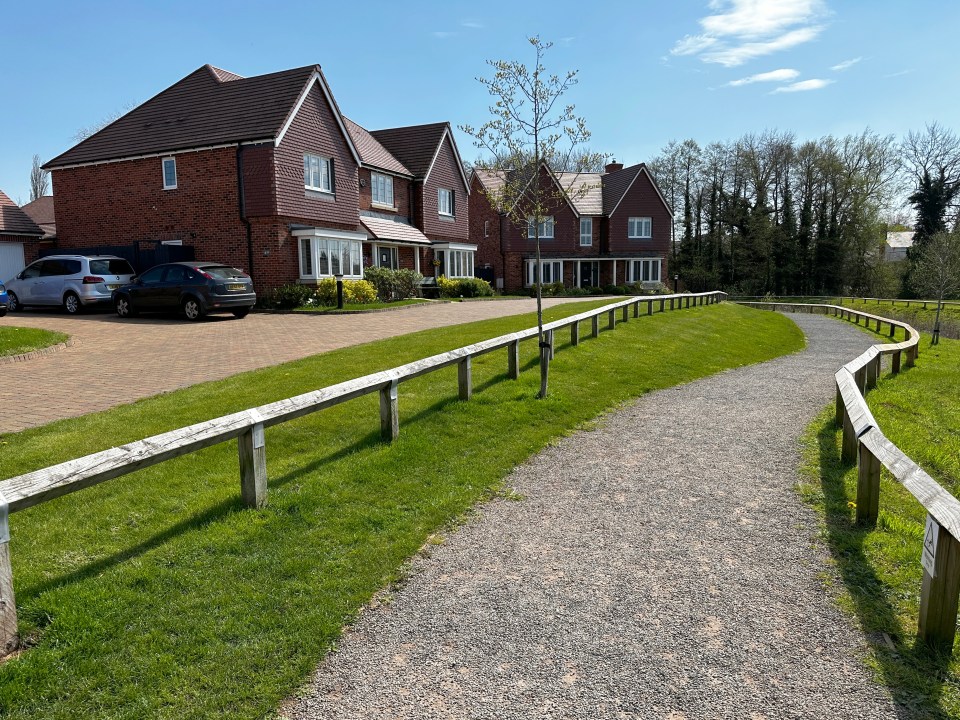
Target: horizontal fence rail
(791,299)
(865,444)
(248,426)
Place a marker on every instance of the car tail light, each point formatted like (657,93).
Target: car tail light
(92,280)
(207,275)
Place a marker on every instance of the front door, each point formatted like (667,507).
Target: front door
(589,274)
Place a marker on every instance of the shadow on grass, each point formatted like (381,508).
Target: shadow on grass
(913,672)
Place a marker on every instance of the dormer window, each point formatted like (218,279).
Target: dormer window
(169,173)
(445,201)
(316,173)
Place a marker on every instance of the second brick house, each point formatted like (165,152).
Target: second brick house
(265,173)
(613,229)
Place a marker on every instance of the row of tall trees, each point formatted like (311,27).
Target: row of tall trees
(769,214)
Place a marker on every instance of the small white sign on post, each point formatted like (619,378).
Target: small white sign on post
(928,557)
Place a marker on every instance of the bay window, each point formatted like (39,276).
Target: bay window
(325,257)
(643,270)
(550,270)
(456,260)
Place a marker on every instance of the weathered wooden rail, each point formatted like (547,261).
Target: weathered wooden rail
(865,444)
(248,426)
(794,299)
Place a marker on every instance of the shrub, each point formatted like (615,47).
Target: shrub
(614,290)
(355,292)
(289,296)
(464,287)
(393,284)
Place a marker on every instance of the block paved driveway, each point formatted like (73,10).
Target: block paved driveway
(113,361)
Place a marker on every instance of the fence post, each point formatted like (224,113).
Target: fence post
(575,334)
(649,307)
(868,486)
(389,417)
(911,355)
(513,360)
(595,326)
(840,407)
(939,594)
(465,377)
(895,362)
(671,304)
(8,607)
(626,313)
(251,448)
(686,301)
(893,329)
(871,374)
(636,309)
(612,319)
(663,303)
(848,451)
(860,376)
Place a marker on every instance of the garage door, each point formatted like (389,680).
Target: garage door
(11,260)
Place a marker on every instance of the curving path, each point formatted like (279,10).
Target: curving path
(660,566)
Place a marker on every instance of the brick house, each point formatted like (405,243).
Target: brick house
(20,238)
(615,231)
(264,173)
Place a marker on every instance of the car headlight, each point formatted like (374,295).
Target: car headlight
(2,288)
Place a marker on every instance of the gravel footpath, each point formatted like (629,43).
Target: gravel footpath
(660,566)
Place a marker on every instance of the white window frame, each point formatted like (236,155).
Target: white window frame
(445,202)
(163,172)
(458,263)
(381,190)
(556,272)
(323,163)
(639,228)
(586,235)
(635,270)
(546,228)
(486,228)
(324,268)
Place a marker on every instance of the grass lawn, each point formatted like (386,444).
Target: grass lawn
(365,307)
(18,340)
(919,410)
(914,314)
(158,595)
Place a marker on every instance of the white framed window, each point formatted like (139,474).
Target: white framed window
(445,201)
(326,257)
(486,228)
(646,270)
(169,173)
(639,227)
(586,231)
(381,189)
(456,261)
(317,173)
(550,270)
(546,228)
(386,256)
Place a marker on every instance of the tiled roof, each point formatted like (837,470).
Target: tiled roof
(208,107)
(371,151)
(382,229)
(900,239)
(414,146)
(492,180)
(41,212)
(616,184)
(585,191)
(14,221)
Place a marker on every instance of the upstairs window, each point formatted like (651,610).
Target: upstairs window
(316,173)
(586,232)
(639,227)
(381,187)
(169,173)
(546,228)
(445,201)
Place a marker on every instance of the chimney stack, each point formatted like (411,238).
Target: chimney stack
(613,167)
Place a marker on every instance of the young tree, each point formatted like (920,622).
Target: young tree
(529,137)
(39,180)
(938,271)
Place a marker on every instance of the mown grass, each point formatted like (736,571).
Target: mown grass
(360,307)
(915,314)
(880,567)
(19,340)
(158,595)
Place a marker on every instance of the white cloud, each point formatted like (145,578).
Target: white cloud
(840,67)
(782,75)
(898,74)
(803,85)
(742,30)
(472,24)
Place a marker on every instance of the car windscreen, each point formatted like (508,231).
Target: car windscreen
(223,272)
(109,266)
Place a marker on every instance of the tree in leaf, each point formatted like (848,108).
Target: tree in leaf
(529,137)
(938,271)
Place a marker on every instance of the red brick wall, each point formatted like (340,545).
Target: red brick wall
(445,174)
(259,180)
(640,201)
(314,130)
(485,230)
(401,195)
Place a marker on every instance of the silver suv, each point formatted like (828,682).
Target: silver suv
(70,281)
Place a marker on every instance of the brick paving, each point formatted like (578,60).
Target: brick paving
(114,361)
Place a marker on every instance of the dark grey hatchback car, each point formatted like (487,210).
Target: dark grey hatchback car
(193,288)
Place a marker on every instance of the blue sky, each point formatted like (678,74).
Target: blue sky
(650,71)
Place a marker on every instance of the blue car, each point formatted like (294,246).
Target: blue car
(4,300)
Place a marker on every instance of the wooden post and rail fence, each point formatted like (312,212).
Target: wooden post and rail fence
(865,445)
(248,426)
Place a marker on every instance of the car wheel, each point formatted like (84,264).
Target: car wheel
(241,313)
(13,303)
(124,307)
(192,309)
(71,303)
